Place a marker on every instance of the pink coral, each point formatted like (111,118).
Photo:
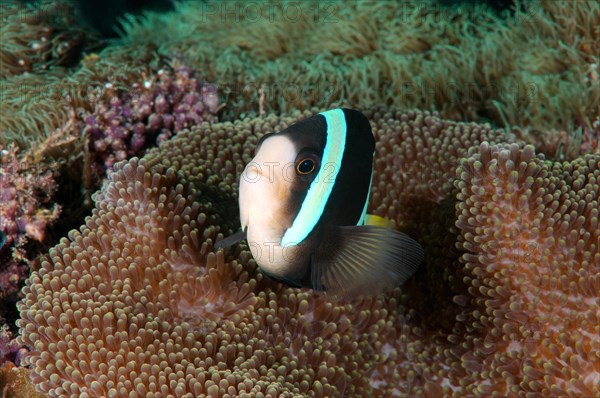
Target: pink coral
(12,271)
(590,142)
(125,123)
(10,350)
(25,198)
(26,211)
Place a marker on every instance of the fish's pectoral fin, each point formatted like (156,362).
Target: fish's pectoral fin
(231,240)
(291,282)
(363,260)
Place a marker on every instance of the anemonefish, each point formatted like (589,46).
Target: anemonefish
(303,209)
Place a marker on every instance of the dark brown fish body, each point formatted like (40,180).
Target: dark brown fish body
(303,202)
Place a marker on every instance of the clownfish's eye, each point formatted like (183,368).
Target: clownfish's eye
(305,166)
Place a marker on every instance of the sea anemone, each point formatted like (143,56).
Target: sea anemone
(534,68)
(37,37)
(137,302)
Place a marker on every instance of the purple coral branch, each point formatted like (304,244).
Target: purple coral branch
(25,193)
(125,124)
(10,350)
(26,212)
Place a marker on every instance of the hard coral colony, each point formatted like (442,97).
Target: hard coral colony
(136,303)
(26,212)
(125,123)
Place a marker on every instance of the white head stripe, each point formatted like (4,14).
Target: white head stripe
(321,187)
(361,221)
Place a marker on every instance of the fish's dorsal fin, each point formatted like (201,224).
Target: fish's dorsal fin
(231,240)
(363,260)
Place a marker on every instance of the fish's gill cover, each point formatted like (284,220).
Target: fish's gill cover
(136,303)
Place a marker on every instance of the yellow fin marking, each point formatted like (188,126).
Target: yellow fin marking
(372,219)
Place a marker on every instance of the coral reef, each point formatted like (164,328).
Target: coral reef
(590,138)
(14,269)
(15,383)
(125,123)
(42,119)
(43,105)
(42,111)
(25,193)
(536,68)
(460,61)
(26,212)
(123,99)
(10,351)
(136,302)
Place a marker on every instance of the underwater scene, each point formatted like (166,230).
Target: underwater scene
(275,198)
